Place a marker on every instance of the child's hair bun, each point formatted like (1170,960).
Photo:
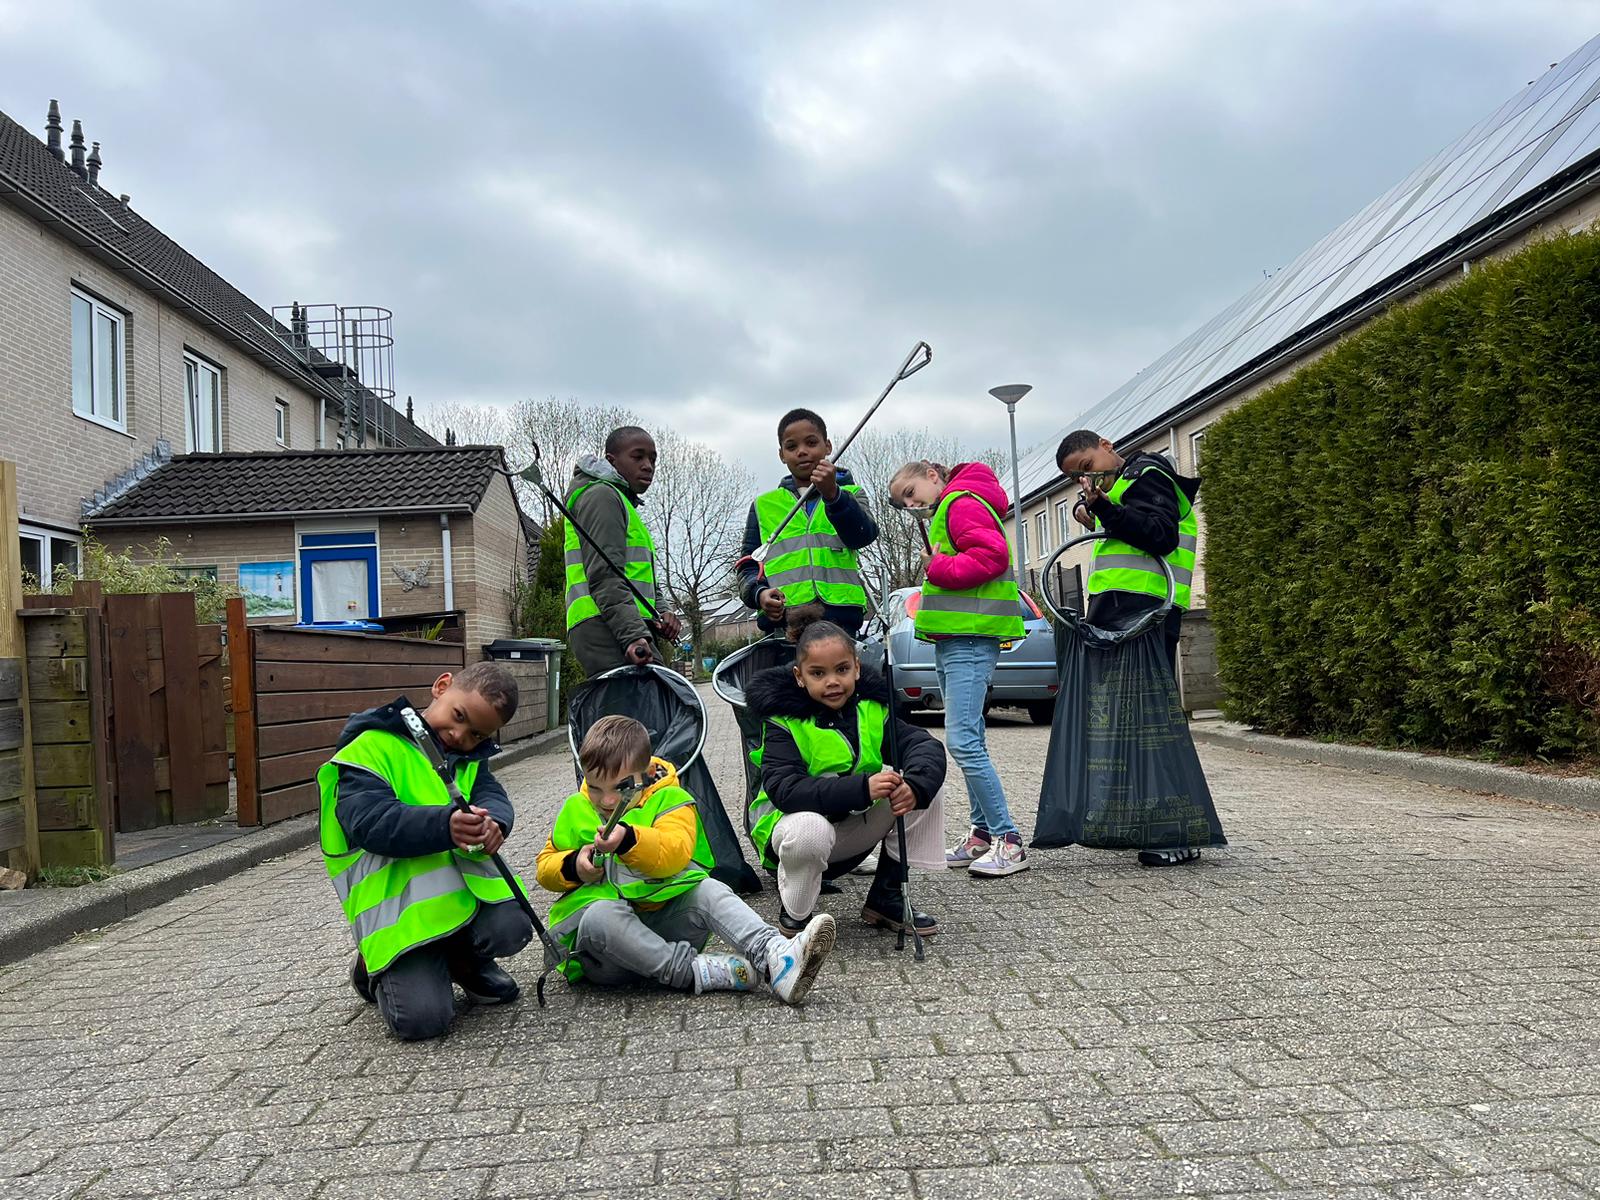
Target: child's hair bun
(808,627)
(801,617)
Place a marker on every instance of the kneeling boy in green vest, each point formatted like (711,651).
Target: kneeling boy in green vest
(638,903)
(814,558)
(1147,509)
(425,904)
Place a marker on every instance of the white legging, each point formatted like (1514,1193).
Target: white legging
(806,844)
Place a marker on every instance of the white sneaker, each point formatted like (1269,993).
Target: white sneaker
(867,866)
(793,964)
(1004,857)
(723,973)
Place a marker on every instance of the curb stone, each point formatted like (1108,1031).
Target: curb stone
(1462,774)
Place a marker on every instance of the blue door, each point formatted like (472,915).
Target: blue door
(338,576)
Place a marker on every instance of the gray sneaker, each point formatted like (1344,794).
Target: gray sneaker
(1005,857)
(965,853)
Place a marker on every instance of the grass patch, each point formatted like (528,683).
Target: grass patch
(71,877)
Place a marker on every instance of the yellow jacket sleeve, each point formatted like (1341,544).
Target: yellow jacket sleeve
(662,849)
(548,870)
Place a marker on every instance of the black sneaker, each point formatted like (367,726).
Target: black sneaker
(788,925)
(1166,858)
(485,981)
(829,888)
(360,980)
(886,902)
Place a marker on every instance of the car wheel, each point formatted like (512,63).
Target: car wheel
(1040,711)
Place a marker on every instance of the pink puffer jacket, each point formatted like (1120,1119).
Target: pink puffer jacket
(981,550)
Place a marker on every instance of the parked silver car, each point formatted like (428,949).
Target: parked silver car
(1025,676)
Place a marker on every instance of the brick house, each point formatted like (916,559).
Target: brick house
(123,357)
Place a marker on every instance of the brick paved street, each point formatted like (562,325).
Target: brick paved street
(1379,989)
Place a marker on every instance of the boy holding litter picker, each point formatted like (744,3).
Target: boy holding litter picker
(426,905)
(630,862)
(608,625)
(1147,508)
(814,560)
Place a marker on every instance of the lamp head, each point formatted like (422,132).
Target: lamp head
(1009,393)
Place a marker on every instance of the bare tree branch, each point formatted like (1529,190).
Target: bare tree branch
(566,430)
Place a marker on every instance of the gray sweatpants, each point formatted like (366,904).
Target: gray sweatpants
(616,944)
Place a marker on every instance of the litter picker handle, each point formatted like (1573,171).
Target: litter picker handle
(892,738)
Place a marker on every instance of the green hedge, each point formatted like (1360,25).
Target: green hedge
(1403,539)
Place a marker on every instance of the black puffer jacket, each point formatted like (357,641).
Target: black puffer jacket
(784,775)
(374,818)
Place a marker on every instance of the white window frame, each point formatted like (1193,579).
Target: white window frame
(280,410)
(1041,530)
(1063,520)
(43,535)
(118,419)
(201,366)
(1196,439)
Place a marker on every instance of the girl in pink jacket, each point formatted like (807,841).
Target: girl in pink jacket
(969,605)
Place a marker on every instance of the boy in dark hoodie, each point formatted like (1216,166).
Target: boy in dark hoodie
(1148,509)
(814,559)
(412,872)
(607,627)
(827,797)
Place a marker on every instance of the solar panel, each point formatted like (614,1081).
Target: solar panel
(1547,127)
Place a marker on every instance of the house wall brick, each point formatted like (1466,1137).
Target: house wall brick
(61,457)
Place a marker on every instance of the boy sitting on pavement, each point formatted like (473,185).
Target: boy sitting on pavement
(638,904)
(425,904)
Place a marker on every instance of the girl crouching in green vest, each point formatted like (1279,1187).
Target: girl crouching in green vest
(639,903)
(425,904)
(827,798)
(969,605)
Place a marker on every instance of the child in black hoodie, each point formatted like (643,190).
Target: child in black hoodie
(827,797)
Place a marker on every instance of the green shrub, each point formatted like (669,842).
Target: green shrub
(1401,538)
(153,569)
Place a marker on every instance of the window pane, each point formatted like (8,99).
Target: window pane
(339,590)
(82,355)
(33,557)
(191,405)
(213,392)
(108,369)
(63,553)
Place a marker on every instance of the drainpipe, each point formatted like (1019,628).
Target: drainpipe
(449,569)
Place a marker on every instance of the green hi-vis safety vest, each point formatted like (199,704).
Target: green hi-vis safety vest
(808,561)
(827,752)
(639,562)
(992,609)
(1115,566)
(576,826)
(395,904)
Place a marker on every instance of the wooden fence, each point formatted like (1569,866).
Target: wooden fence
(68,703)
(293,691)
(19,814)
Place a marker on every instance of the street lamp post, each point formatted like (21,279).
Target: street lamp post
(1008,394)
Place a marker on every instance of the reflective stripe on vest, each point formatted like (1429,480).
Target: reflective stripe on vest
(576,826)
(826,752)
(809,561)
(396,904)
(992,609)
(638,561)
(1116,566)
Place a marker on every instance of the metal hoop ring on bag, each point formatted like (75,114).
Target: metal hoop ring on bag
(1154,617)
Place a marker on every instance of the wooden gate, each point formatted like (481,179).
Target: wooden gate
(293,691)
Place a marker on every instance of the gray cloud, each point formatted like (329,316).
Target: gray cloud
(716,211)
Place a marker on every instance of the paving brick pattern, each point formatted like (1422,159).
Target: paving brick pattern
(1379,990)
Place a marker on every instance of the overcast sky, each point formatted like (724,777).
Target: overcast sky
(714,211)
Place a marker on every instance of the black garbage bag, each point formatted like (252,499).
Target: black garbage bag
(729,681)
(666,704)
(1121,772)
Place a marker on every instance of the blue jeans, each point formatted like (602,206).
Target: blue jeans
(965,665)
